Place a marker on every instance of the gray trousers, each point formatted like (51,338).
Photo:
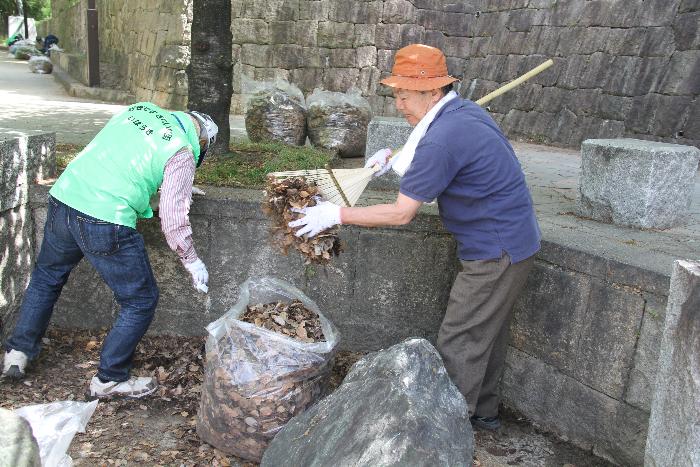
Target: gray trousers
(473,337)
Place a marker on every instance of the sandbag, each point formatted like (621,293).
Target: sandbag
(275,111)
(338,121)
(40,65)
(257,379)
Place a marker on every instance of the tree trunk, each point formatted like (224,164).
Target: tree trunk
(209,73)
(24,15)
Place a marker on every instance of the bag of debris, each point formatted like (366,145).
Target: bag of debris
(25,49)
(338,121)
(267,359)
(275,111)
(40,65)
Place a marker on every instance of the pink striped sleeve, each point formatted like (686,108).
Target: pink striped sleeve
(175,199)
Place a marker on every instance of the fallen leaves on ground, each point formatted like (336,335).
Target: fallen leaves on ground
(158,430)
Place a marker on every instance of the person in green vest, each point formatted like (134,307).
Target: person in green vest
(92,213)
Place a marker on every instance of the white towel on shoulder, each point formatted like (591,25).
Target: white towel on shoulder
(406,153)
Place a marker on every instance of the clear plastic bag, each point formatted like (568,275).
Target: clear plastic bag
(54,426)
(41,65)
(338,121)
(257,379)
(275,111)
(24,49)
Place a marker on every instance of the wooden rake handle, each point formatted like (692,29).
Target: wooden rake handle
(516,82)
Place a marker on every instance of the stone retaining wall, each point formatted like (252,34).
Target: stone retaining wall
(68,22)
(144,46)
(585,336)
(24,160)
(674,438)
(621,68)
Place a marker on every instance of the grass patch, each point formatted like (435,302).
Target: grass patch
(66,153)
(248,163)
(246,166)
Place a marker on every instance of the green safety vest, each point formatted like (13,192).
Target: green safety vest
(114,177)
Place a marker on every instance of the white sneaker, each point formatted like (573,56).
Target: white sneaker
(133,388)
(14,364)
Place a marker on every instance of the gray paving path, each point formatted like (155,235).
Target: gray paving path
(31,102)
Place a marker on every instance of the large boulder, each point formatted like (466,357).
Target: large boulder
(396,407)
(18,447)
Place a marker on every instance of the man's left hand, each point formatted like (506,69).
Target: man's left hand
(317,219)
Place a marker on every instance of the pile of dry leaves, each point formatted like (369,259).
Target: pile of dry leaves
(283,195)
(290,319)
(158,430)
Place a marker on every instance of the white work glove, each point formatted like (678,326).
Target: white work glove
(317,219)
(381,159)
(197,191)
(200,276)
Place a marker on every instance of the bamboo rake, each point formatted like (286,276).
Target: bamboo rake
(345,186)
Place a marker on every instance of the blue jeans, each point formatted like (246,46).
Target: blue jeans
(119,255)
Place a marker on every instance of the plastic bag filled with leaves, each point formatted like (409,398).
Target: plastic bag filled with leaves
(275,111)
(24,50)
(257,379)
(338,121)
(40,65)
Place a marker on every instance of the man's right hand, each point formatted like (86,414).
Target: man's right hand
(381,160)
(200,276)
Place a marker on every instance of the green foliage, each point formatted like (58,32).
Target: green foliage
(37,9)
(66,153)
(248,164)
(8,8)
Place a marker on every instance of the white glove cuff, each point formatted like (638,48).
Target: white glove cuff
(338,220)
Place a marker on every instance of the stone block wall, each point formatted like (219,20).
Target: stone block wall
(68,22)
(621,69)
(585,337)
(148,42)
(24,160)
(585,342)
(674,438)
(144,46)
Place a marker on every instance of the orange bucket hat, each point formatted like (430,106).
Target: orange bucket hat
(419,67)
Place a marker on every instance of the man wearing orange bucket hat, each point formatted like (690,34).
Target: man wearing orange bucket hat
(458,155)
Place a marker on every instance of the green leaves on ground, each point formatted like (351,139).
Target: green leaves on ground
(66,153)
(246,166)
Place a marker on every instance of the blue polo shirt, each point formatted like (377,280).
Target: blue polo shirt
(466,162)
